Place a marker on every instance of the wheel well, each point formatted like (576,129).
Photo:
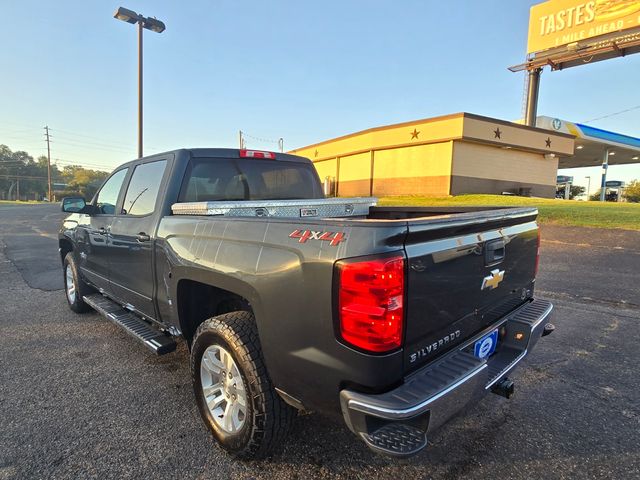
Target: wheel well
(199,301)
(65,247)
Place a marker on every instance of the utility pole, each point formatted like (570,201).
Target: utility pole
(47,136)
(241,140)
(281,144)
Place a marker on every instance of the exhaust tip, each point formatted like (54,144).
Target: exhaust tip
(504,388)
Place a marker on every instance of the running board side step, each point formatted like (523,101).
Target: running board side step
(153,339)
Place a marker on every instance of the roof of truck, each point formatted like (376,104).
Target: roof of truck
(221,153)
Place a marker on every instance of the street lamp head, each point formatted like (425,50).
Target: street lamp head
(126,15)
(153,24)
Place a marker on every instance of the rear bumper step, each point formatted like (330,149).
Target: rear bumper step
(397,422)
(153,339)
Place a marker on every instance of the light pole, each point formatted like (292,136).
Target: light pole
(149,23)
(588,186)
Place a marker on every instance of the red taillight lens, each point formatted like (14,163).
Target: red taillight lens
(257,154)
(371,303)
(535,272)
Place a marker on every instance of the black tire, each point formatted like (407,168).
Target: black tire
(81,288)
(268,417)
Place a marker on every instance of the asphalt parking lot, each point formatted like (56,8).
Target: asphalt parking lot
(81,399)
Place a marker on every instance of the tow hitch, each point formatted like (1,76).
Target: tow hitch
(504,388)
(548,329)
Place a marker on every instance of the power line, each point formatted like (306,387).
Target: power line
(613,114)
(19,176)
(102,140)
(88,166)
(244,135)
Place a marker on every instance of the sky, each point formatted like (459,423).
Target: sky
(303,71)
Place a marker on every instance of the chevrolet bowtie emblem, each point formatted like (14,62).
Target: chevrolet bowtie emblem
(493,280)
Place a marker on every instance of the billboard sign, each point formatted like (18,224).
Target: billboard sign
(557,23)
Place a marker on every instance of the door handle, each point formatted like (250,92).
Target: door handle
(143,237)
(494,252)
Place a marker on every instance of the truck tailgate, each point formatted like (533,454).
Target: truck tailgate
(464,274)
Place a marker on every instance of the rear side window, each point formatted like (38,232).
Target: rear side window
(143,188)
(221,179)
(108,194)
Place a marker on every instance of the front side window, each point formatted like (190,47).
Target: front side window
(108,194)
(143,188)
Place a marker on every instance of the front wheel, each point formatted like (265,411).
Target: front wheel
(74,287)
(233,391)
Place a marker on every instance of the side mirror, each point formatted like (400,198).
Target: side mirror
(73,204)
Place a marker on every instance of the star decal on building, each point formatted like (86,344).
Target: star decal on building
(414,134)
(548,142)
(316,153)
(497,133)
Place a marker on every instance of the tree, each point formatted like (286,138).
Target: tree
(632,191)
(32,176)
(576,191)
(594,197)
(82,181)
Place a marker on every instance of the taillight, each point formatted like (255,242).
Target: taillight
(257,154)
(371,303)
(535,272)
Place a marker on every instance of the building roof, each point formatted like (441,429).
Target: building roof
(592,143)
(458,126)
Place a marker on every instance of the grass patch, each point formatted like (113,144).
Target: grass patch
(20,202)
(561,212)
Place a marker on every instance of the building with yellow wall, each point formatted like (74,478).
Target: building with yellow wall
(449,155)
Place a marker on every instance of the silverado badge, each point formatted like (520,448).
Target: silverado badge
(493,280)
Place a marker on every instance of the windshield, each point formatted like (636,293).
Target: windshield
(222,179)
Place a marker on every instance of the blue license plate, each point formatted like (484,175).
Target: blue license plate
(486,345)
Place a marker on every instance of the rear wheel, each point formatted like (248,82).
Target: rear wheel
(75,288)
(233,391)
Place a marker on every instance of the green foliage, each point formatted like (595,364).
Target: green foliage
(33,177)
(595,197)
(576,191)
(632,191)
(81,181)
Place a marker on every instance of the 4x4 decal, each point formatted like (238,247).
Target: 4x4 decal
(334,238)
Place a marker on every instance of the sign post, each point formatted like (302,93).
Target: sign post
(568,33)
(603,182)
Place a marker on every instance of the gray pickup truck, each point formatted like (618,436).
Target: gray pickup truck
(389,319)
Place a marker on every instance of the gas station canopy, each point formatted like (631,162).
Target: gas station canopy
(592,143)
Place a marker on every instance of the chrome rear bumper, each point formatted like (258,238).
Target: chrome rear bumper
(397,422)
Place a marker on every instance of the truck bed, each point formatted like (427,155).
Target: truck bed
(353,208)
(446,251)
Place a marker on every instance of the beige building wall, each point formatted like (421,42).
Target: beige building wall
(354,175)
(449,155)
(418,170)
(327,168)
(479,168)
